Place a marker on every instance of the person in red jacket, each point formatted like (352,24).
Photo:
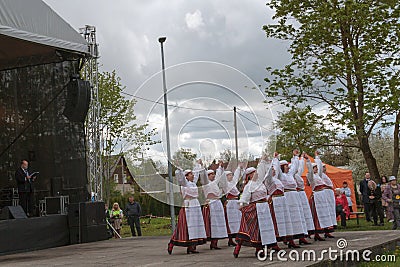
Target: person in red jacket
(342,206)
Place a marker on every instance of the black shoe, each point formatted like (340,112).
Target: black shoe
(291,244)
(303,242)
(318,238)
(233,244)
(214,247)
(327,235)
(188,251)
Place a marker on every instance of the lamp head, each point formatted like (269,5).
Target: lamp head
(162,39)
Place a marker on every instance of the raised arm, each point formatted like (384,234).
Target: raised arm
(181,177)
(319,163)
(310,173)
(219,172)
(277,167)
(220,169)
(294,163)
(200,172)
(268,176)
(238,173)
(294,166)
(262,167)
(301,166)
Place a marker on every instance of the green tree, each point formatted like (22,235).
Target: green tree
(345,56)
(381,145)
(120,130)
(302,129)
(184,158)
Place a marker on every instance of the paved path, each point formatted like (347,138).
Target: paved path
(151,251)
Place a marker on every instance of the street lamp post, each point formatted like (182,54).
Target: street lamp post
(171,188)
(236,135)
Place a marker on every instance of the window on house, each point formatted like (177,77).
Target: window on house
(116,178)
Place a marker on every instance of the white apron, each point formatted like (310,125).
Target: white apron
(234,215)
(217,219)
(330,196)
(265,224)
(306,211)
(194,219)
(322,208)
(282,216)
(295,212)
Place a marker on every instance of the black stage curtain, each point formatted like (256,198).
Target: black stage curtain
(52,144)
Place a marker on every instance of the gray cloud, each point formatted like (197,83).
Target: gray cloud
(227,32)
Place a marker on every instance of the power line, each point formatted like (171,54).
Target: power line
(200,109)
(252,121)
(256,115)
(175,106)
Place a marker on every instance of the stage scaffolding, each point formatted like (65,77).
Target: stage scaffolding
(92,127)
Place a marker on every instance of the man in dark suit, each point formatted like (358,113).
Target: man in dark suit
(365,196)
(25,184)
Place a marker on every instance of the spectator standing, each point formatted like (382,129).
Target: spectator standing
(364,194)
(116,216)
(392,196)
(385,204)
(375,202)
(132,212)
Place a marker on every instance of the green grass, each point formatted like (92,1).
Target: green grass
(384,264)
(364,225)
(162,226)
(150,227)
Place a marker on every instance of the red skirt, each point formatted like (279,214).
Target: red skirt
(180,237)
(249,232)
(318,229)
(207,223)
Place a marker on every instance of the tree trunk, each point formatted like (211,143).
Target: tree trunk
(369,157)
(396,151)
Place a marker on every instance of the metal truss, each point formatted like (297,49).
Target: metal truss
(92,128)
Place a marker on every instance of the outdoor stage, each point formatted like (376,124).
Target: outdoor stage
(33,233)
(43,108)
(152,251)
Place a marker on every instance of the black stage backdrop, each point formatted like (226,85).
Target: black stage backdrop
(34,233)
(52,144)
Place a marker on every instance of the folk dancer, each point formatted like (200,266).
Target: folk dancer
(233,215)
(329,191)
(213,210)
(278,205)
(286,176)
(306,211)
(256,226)
(318,202)
(190,230)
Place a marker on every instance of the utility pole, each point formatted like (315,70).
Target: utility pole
(171,188)
(236,136)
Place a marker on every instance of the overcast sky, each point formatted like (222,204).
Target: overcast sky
(228,33)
